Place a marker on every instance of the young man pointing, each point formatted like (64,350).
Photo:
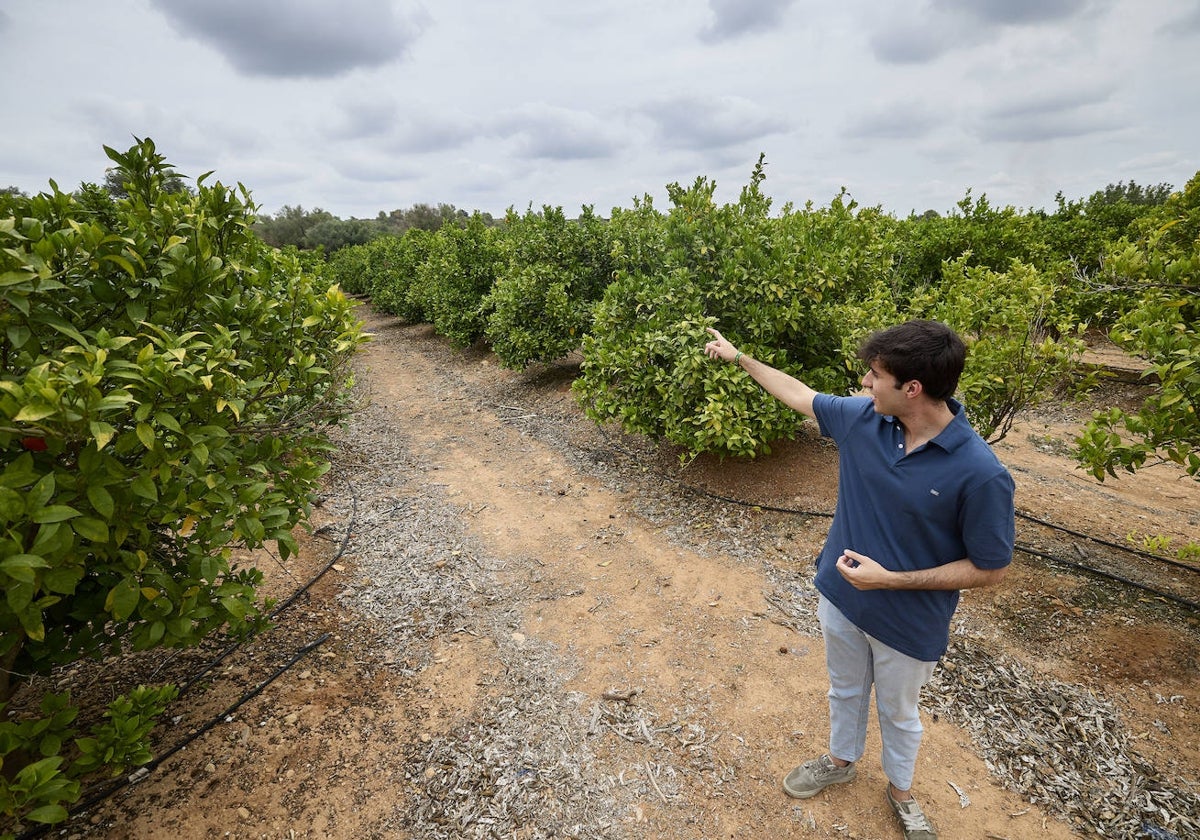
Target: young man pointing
(924,510)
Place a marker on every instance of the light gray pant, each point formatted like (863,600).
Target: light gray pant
(856,661)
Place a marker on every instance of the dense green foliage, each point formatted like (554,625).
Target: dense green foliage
(455,277)
(165,384)
(762,280)
(393,263)
(1158,266)
(317,228)
(553,272)
(801,290)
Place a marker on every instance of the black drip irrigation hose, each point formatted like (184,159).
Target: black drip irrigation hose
(145,770)
(289,601)
(1135,551)
(137,775)
(1183,602)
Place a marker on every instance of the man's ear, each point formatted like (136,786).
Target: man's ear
(913,388)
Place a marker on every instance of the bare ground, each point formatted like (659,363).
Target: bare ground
(539,628)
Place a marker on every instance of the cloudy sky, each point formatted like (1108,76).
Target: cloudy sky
(358,106)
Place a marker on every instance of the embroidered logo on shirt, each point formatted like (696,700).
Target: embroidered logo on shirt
(934,492)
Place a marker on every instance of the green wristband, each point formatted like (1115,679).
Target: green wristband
(738,356)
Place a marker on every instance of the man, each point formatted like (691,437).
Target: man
(924,510)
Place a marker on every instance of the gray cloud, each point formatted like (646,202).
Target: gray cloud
(5,21)
(410,128)
(913,40)
(734,18)
(705,124)
(1186,24)
(918,35)
(421,132)
(546,132)
(1014,12)
(895,121)
(300,39)
(1058,115)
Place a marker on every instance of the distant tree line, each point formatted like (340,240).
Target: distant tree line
(317,228)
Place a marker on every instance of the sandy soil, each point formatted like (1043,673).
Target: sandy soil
(611,569)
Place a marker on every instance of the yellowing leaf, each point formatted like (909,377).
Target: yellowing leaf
(189,525)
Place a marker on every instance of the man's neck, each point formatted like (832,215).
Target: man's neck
(924,423)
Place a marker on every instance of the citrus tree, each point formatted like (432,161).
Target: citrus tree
(1159,266)
(166,380)
(454,278)
(766,282)
(554,270)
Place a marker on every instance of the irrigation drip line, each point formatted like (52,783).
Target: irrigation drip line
(149,767)
(700,492)
(1099,541)
(290,600)
(1183,602)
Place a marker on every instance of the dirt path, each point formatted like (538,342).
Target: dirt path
(667,638)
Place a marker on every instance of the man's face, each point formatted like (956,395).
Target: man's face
(885,390)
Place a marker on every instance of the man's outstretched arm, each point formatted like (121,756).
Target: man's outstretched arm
(787,389)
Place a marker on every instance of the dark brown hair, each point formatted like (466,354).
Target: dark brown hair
(927,351)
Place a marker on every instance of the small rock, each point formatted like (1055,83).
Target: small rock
(244,813)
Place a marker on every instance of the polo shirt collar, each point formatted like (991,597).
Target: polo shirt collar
(957,432)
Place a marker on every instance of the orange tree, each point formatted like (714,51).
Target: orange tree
(553,271)
(165,384)
(1158,267)
(765,282)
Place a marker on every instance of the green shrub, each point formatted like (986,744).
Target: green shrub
(455,278)
(1021,344)
(1160,269)
(394,276)
(766,283)
(554,272)
(350,270)
(165,384)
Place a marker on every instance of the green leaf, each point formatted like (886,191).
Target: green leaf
(143,486)
(54,513)
(18,595)
(47,814)
(123,599)
(12,504)
(63,579)
(18,334)
(91,528)
(122,262)
(101,500)
(168,421)
(102,432)
(22,566)
(32,413)
(146,435)
(31,623)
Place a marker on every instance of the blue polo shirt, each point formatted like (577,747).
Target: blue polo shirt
(946,500)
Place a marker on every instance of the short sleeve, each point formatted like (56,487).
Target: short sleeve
(988,522)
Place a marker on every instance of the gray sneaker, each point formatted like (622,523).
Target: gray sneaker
(916,824)
(812,777)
